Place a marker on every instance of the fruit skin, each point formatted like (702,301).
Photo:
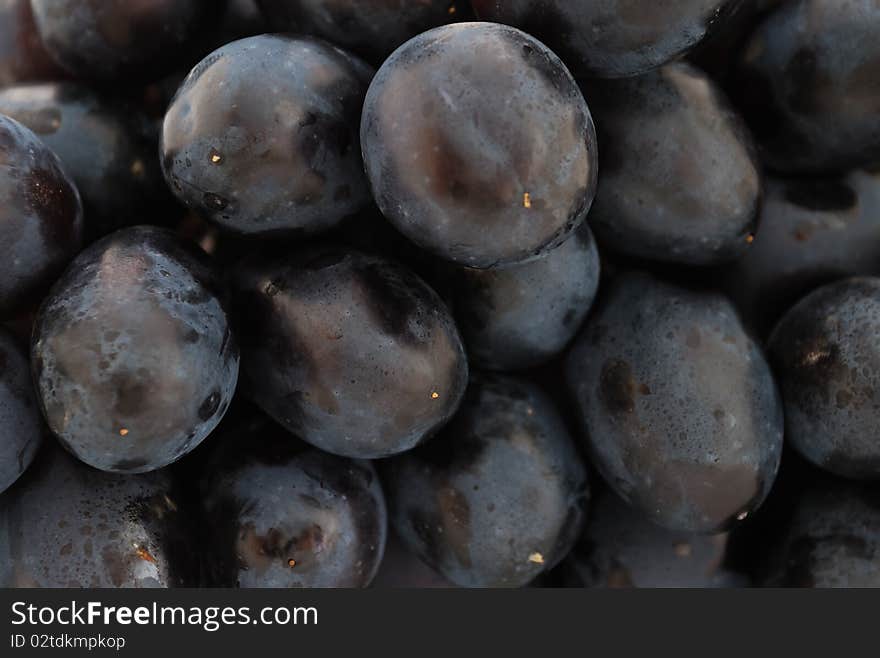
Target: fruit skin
(41,217)
(478,145)
(620,548)
(19,416)
(826,354)
(351,352)
(121,40)
(611,38)
(270,500)
(680,179)
(132,353)
(67,525)
(832,540)
(401,569)
(372,29)
(103,145)
(499,496)
(23,58)
(812,232)
(680,411)
(275,146)
(520,316)
(808,83)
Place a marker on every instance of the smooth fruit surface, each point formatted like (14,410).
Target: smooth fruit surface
(826,352)
(262,136)
(499,496)
(478,145)
(41,217)
(351,352)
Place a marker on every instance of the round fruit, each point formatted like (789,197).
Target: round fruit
(353,353)
(41,218)
(808,82)
(499,496)
(680,180)
(262,136)
(680,411)
(281,514)
(67,525)
(103,145)
(478,145)
(132,352)
(826,352)
(522,315)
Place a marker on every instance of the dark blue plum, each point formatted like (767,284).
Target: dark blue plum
(280,513)
(132,352)
(478,145)
(679,408)
(680,180)
(519,316)
(67,525)
(808,82)
(351,352)
(262,136)
(499,496)
(826,353)
(41,217)
(104,146)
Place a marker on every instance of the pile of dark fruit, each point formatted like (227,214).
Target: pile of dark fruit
(332,293)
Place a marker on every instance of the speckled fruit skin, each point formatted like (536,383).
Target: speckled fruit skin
(122,40)
(104,146)
(351,352)
(520,316)
(282,514)
(812,231)
(832,541)
(262,136)
(67,525)
(133,357)
(372,28)
(680,179)
(41,217)
(478,145)
(611,38)
(22,55)
(680,411)
(499,496)
(621,548)
(809,85)
(826,353)
(22,426)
